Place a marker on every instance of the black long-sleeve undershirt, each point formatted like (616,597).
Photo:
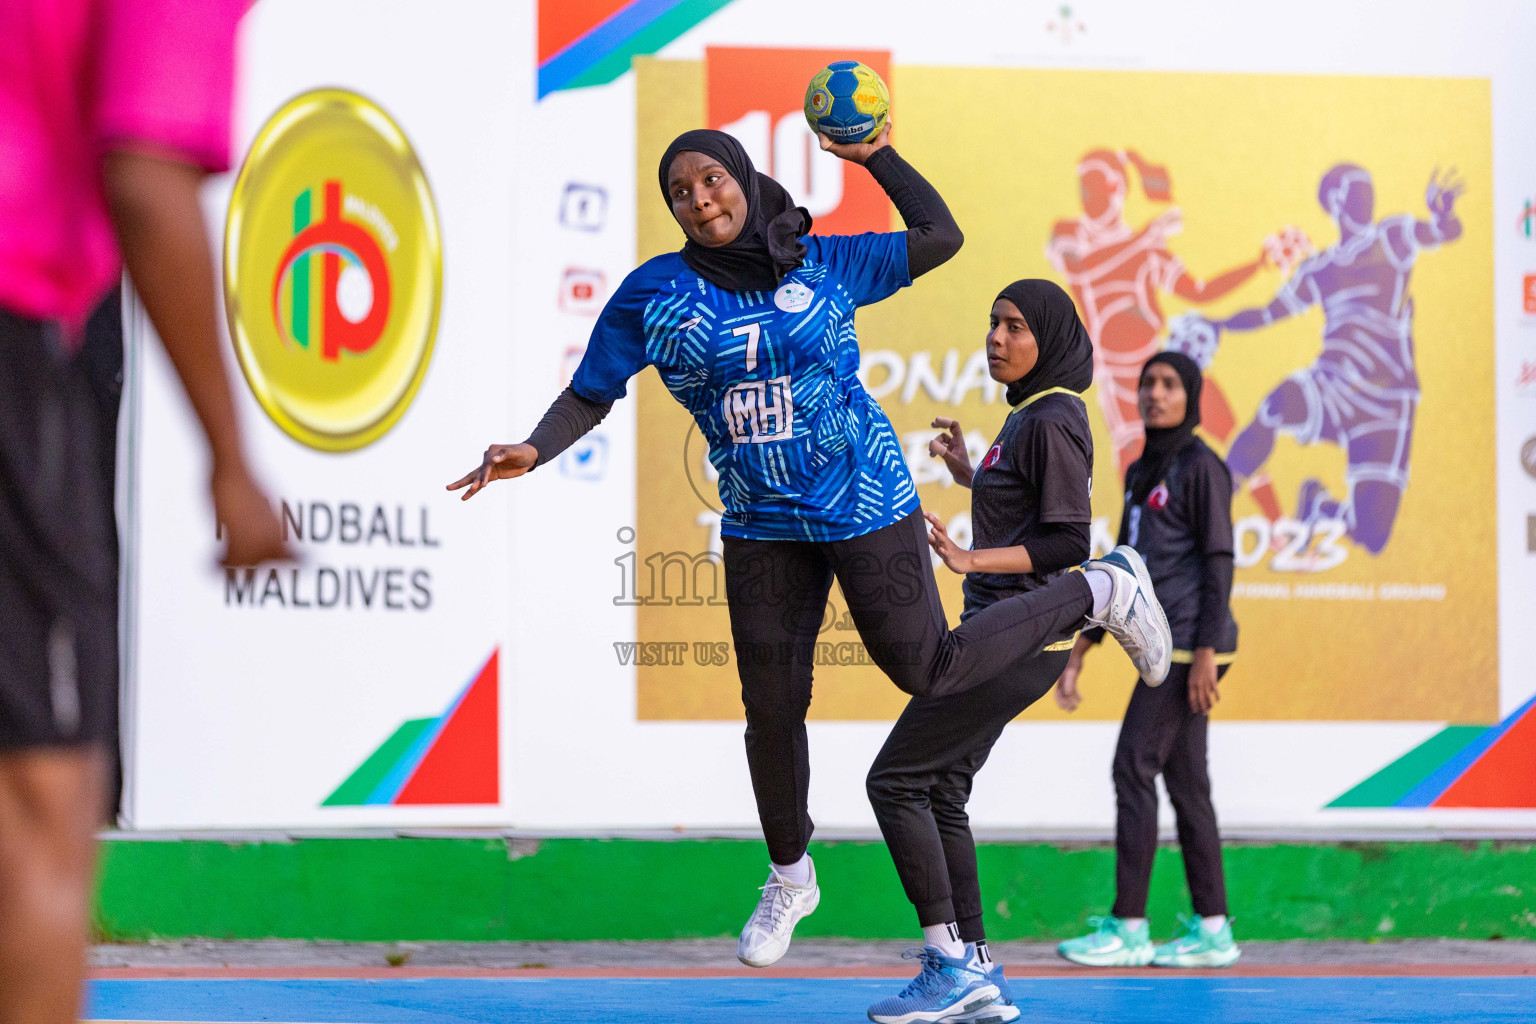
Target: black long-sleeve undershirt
(932,234)
(932,238)
(568,420)
(1215,592)
(1058,546)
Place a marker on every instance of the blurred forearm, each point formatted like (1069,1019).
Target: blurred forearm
(154,206)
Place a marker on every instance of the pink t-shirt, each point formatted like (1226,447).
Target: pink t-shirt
(78,79)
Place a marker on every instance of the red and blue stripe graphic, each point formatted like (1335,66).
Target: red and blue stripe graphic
(591,42)
(451,759)
(1460,766)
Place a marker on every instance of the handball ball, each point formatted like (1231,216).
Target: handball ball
(847,102)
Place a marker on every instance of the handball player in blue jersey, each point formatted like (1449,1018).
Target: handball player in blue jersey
(751,327)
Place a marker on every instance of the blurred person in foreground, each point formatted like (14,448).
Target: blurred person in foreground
(111,113)
(1178,515)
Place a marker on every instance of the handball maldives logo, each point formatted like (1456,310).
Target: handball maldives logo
(333,270)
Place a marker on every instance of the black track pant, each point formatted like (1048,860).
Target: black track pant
(778,591)
(921,782)
(1162,734)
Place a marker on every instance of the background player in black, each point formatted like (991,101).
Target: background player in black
(1178,514)
(1030,514)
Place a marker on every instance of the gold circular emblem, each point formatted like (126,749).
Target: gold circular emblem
(333,270)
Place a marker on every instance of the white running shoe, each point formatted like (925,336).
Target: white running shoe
(766,936)
(1135,618)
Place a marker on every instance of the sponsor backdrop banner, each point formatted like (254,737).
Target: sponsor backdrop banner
(1332,209)
(1161,201)
(363,268)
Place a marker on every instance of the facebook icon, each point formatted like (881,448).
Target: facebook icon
(584,207)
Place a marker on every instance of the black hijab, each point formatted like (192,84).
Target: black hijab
(1163,443)
(769,245)
(1066,352)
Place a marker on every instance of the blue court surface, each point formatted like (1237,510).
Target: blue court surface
(1207,1000)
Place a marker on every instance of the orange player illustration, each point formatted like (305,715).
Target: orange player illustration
(1116,274)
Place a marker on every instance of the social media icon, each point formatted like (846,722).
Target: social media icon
(584,207)
(582,291)
(587,459)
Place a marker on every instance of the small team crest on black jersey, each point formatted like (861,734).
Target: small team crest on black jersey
(993,455)
(1158,499)
(792,297)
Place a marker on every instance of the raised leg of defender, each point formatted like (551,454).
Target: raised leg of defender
(1133,615)
(777,592)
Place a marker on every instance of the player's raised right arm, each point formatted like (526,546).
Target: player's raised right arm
(933,237)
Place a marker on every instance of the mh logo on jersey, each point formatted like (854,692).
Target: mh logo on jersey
(332,270)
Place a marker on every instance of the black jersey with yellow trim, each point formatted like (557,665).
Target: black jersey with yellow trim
(1184,520)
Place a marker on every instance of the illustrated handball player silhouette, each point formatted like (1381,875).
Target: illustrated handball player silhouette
(751,328)
(1116,274)
(1362,391)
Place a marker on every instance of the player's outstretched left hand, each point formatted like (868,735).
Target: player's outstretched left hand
(501,462)
(857,152)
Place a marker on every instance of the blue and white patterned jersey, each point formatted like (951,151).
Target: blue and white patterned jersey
(803,451)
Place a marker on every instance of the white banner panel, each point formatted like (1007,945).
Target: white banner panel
(251,709)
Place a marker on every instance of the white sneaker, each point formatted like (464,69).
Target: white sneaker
(1135,618)
(766,936)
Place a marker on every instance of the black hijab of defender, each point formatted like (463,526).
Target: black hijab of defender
(1066,351)
(769,245)
(1164,443)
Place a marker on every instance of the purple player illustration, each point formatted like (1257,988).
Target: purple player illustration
(1363,389)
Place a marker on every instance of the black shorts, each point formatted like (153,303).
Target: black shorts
(58,573)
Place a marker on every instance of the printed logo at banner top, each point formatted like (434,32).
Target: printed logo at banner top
(332,270)
(758,95)
(451,759)
(1066,25)
(582,291)
(1527,221)
(583,207)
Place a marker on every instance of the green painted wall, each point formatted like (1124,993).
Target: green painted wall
(478,889)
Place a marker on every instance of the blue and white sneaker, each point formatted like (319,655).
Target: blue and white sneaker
(1000,1010)
(946,989)
(1135,618)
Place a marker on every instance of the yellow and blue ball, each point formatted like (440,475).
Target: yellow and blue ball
(847,102)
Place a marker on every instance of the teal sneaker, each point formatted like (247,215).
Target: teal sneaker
(1113,943)
(1197,946)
